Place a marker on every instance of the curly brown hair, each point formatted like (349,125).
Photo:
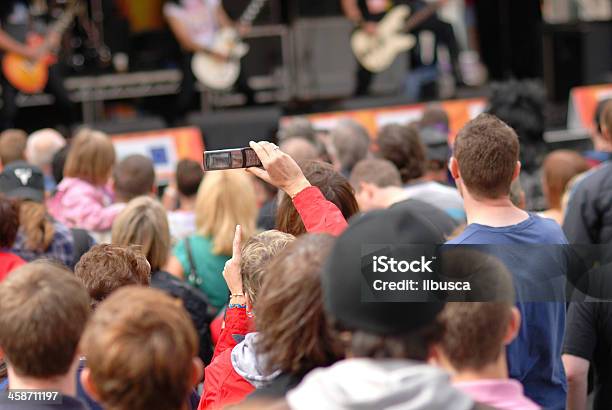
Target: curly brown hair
(294,332)
(106,268)
(335,188)
(9,221)
(257,253)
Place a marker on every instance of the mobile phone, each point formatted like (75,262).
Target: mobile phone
(230,159)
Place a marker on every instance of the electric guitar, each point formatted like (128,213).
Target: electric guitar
(218,73)
(376,52)
(31,76)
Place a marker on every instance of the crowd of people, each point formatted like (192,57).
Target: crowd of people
(245,287)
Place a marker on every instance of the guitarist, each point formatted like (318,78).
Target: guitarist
(194,24)
(367,13)
(15,24)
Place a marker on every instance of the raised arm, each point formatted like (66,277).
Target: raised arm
(351,11)
(181,34)
(318,214)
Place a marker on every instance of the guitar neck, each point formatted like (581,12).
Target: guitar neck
(62,24)
(251,12)
(420,16)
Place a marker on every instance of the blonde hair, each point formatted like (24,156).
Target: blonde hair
(91,157)
(257,253)
(225,199)
(144,222)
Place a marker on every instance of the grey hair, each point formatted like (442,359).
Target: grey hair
(351,141)
(42,146)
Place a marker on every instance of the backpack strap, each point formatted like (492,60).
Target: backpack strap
(481,406)
(192,278)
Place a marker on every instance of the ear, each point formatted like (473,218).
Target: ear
(88,384)
(438,358)
(369,189)
(453,167)
(513,325)
(606,133)
(197,371)
(435,355)
(517,170)
(363,186)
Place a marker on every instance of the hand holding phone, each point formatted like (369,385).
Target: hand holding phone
(279,170)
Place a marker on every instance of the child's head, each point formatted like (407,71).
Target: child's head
(257,253)
(141,350)
(43,311)
(12,146)
(91,157)
(105,268)
(189,174)
(133,176)
(487,309)
(463,347)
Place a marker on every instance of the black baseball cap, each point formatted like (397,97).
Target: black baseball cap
(342,276)
(436,143)
(24,181)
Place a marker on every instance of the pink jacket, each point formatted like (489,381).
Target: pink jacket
(79,204)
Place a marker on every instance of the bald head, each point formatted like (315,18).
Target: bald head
(297,127)
(300,149)
(42,146)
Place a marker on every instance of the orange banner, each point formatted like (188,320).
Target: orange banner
(164,147)
(582,105)
(459,112)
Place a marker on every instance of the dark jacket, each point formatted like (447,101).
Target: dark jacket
(588,219)
(278,388)
(195,303)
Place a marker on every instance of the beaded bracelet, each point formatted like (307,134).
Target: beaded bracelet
(236,306)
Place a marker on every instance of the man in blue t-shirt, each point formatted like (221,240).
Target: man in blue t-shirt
(484,164)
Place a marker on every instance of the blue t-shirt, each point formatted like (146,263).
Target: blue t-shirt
(534,357)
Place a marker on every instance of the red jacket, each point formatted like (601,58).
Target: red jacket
(222,385)
(318,214)
(8,262)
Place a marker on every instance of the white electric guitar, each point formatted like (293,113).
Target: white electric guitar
(221,74)
(376,52)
